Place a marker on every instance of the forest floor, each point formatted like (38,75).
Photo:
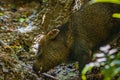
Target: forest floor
(16,56)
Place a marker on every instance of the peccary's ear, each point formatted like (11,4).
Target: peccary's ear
(52,34)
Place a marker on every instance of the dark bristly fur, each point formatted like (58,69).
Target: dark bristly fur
(86,30)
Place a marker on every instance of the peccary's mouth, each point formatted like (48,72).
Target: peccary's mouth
(40,69)
(37,68)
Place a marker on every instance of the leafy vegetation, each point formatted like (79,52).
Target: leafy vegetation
(110,62)
(106,1)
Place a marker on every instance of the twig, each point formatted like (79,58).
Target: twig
(3,43)
(5,31)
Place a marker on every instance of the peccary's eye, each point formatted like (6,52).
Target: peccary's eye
(53,39)
(39,53)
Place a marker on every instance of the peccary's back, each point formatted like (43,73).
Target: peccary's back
(92,27)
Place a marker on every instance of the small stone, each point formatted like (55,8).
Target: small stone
(13,10)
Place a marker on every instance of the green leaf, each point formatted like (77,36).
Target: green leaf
(105,1)
(13,6)
(118,55)
(107,72)
(1,14)
(116,15)
(21,20)
(44,0)
(115,62)
(84,71)
(116,71)
(71,74)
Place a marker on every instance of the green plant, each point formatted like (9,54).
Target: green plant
(109,59)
